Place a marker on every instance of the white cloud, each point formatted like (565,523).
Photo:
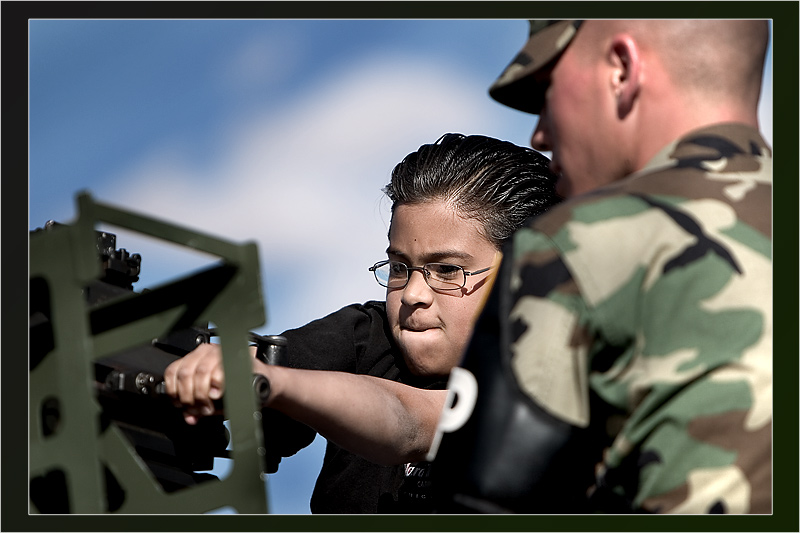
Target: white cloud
(305,182)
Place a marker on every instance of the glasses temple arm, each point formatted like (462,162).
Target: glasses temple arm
(481,271)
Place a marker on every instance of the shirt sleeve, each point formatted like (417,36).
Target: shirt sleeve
(352,339)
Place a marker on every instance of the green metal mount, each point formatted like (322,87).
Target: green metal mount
(79,448)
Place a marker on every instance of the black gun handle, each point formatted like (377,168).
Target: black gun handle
(271,349)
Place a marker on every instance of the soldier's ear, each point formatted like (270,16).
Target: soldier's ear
(625,60)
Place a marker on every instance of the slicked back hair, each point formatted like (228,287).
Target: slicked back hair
(495,182)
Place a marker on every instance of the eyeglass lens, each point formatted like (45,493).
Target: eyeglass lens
(395,275)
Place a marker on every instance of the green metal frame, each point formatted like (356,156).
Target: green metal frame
(78,448)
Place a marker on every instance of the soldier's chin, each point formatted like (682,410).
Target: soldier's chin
(563,186)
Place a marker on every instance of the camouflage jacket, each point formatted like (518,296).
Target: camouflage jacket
(664,312)
(645,309)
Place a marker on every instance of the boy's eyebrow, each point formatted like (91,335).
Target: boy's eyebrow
(435,257)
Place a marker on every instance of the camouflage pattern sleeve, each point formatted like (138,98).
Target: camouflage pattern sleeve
(645,309)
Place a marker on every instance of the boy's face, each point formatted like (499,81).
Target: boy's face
(432,327)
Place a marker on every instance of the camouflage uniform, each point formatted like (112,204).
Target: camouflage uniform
(643,312)
(625,352)
(662,308)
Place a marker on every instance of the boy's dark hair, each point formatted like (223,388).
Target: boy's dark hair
(495,182)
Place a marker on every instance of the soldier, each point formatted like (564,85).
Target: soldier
(624,360)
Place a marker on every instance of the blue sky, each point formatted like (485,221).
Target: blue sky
(278,131)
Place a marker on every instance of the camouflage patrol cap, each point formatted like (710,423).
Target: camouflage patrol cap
(518,86)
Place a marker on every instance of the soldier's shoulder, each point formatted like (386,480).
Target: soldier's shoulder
(595,206)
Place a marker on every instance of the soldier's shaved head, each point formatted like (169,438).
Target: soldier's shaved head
(604,91)
(719,58)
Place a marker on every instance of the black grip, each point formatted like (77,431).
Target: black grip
(271,349)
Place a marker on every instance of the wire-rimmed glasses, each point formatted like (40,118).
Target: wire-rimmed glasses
(439,276)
